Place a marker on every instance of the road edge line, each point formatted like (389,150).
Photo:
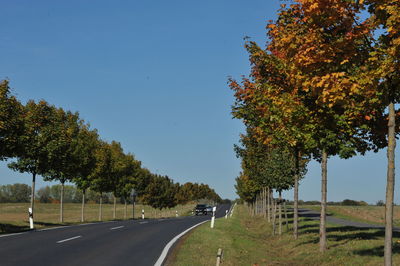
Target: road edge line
(166,249)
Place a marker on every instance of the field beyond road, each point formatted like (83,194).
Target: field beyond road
(367,214)
(14,216)
(247,240)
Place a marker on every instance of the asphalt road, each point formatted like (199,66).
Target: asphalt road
(138,242)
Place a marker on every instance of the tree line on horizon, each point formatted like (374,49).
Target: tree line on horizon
(327,83)
(42,139)
(21,193)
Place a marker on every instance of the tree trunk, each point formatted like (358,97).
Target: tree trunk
(265,202)
(133,208)
(33,191)
(274,217)
(115,207)
(100,210)
(322,225)
(83,206)
(286,218)
(280,213)
(268,205)
(296,197)
(62,203)
(390,186)
(126,209)
(256,204)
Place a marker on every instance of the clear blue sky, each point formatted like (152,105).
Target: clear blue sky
(153,75)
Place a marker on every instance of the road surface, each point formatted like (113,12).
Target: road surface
(138,242)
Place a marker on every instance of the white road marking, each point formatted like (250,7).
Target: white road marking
(52,228)
(143,222)
(14,234)
(68,239)
(87,224)
(170,243)
(118,227)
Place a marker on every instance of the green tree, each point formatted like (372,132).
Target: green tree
(38,119)
(101,177)
(62,162)
(44,195)
(11,122)
(85,150)
(160,193)
(15,193)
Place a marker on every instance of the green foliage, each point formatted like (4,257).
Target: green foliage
(14,193)
(349,202)
(160,193)
(11,123)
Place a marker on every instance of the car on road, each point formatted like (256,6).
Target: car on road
(201,209)
(209,209)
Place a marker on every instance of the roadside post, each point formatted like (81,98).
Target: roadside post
(30,213)
(219,256)
(226,214)
(142,214)
(213,217)
(176,213)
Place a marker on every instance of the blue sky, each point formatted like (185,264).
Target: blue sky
(153,75)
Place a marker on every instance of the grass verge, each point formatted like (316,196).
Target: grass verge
(248,241)
(14,216)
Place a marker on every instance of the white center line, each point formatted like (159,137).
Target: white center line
(68,239)
(143,222)
(118,227)
(14,234)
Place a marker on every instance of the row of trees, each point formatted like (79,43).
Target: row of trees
(15,193)
(46,140)
(325,84)
(19,193)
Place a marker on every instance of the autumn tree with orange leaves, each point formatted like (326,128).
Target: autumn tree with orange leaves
(326,46)
(323,84)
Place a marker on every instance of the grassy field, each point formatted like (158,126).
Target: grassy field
(14,216)
(368,214)
(248,241)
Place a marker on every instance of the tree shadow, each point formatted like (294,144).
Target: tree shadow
(341,235)
(377,251)
(11,228)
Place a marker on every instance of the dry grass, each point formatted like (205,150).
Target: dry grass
(14,216)
(368,214)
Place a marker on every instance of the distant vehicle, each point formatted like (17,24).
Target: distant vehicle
(201,209)
(209,209)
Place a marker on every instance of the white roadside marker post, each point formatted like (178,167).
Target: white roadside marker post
(176,214)
(30,213)
(142,214)
(213,217)
(226,214)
